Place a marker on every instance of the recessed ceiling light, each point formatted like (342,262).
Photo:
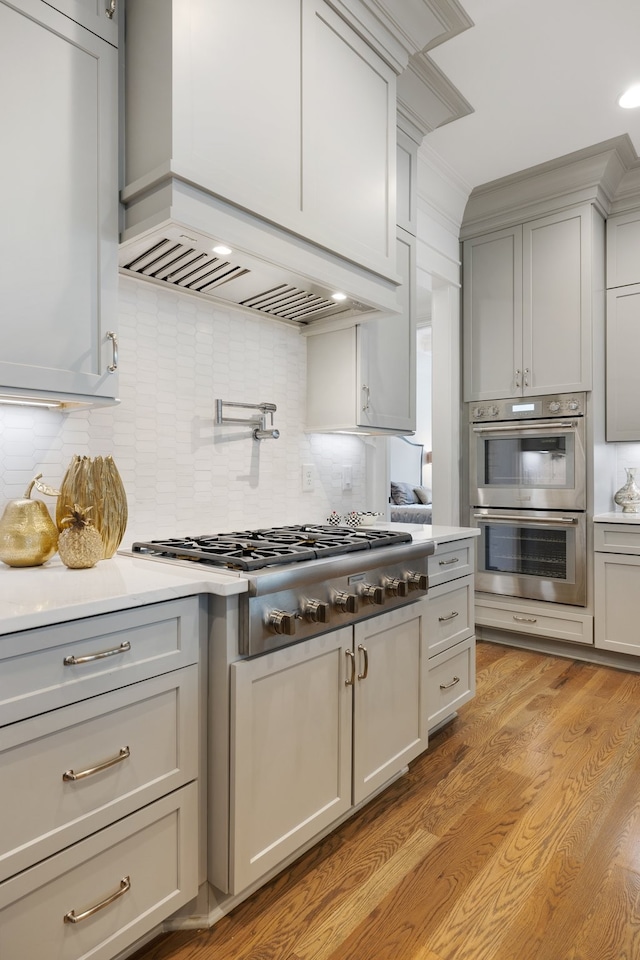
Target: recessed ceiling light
(338,296)
(222,250)
(630,98)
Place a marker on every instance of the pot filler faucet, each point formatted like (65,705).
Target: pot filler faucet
(258,421)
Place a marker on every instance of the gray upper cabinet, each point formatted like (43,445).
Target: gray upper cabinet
(623,249)
(99,16)
(623,326)
(527,305)
(58,251)
(279,109)
(362,379)
(623,349)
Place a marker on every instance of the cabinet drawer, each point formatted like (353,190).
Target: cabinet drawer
(148,730)
(617,581)
(52,667)
(451,560)
(450,614)
(617,537)
(452,680)
(155,850)
(556,625)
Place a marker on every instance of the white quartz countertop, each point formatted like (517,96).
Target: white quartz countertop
(32,597)
(618,517)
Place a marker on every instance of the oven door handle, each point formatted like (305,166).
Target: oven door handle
(521,425)
(502,518)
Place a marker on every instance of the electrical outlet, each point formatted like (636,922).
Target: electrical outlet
(308,477)
(347,477)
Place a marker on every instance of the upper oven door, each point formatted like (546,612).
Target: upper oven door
(536,464)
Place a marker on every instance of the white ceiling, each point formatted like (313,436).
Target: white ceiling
(543,77)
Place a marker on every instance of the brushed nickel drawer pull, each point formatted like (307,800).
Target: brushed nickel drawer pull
(111,762)
(73,917)
(449,616)
(90,657)
(111,9)
(445,563)
(446,686)
(525,619)
(365,672)
(349,682)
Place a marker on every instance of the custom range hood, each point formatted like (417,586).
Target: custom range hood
(237,134)
(202,245)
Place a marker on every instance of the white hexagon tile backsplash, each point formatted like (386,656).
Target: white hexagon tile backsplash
(182,474)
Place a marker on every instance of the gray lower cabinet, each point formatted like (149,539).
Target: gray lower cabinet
(99,755)
(450,631)
(319,727)
(617,587)
(58,253)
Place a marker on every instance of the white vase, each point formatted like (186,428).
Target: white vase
(628,496)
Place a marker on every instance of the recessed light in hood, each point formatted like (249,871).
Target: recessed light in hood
(186,259)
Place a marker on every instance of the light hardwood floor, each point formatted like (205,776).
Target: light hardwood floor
(515,837)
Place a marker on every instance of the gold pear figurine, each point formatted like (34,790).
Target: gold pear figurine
(28,535)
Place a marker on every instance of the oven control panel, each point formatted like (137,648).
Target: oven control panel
(529,408)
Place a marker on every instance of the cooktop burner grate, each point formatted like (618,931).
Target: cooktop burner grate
(255,549)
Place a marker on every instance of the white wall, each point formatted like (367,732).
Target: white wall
(182,474)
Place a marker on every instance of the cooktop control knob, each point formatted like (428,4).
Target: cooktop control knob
(418,581)
(347,602)
(397,588)
(372,594)
(478,412)
(493,411)
(573,405)
(283,623)
(317,611)
(554,406)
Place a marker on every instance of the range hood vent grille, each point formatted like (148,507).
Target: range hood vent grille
(181,261)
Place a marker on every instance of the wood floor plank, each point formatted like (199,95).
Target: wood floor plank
(515,837)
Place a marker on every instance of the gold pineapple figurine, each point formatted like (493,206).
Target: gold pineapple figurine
(79,544)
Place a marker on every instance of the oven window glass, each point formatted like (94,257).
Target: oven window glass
(527,551)
(523,461)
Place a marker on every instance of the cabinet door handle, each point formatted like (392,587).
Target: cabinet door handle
(113,366)
(111,9)
(446,563)
(71,775)
(90,657)
(366,396)
(351,679)
(446,686)
(449,616)
(365,672)
(518,384)
(73,917)
(526,376)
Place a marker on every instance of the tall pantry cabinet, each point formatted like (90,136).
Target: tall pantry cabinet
(58,251)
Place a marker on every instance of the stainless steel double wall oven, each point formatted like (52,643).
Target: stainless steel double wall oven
(528,496)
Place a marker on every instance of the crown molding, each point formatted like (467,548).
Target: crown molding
(426,99)
(401,28)
(592,175)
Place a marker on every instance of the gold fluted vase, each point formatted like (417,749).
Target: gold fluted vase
(95,482)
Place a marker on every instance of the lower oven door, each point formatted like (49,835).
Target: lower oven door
(535,554)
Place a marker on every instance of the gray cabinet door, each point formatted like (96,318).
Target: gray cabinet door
(556,316)
(58,246)
(623,349)
(492,312)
